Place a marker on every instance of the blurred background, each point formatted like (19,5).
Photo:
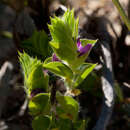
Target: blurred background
(98,19)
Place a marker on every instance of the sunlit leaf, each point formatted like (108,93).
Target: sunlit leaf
(62,30)
(88,41)
(59,69)
(37,79)
(34,76)
(39,104)
(71,22)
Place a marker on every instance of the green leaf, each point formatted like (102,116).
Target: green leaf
(68,107)
(47,60)
(59,69)
(84,42)
(37,45)
(71,22)
(37,79)
(39,104)
(33,73)
(41,123)
(62,37)
(27,63)
(64,32)
(84,70)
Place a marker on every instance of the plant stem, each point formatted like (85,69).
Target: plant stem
(122,13)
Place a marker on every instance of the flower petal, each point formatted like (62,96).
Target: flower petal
(85,49)
(55,58)
(79,45)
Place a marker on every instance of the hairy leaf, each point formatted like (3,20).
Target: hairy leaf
(27,63)
(33,73)
(62,30)
(71,22)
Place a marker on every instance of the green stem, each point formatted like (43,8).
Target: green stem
(122,13)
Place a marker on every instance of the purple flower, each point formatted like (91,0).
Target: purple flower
(83,50)
(55,58)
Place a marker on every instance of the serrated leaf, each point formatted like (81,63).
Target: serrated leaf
(37,44)
(64,32)
(33,73)
(62,37)
(39,104)
(68,107)
(27,63)
(59,69)
(41,123)
(85,70)
(71,22)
